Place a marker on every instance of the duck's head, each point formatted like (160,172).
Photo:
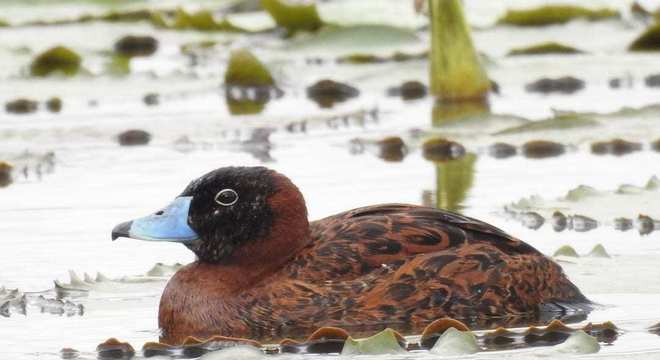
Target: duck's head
(228,214)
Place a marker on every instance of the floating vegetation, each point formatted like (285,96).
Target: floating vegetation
(567,251)
(249,85)
(387,341)
(245,70)
(557,122)
(581,223)
(201,20)
(604,208)
(323,341)
(293,17)
(409,90)
(3,23)
(554,14)
(578,343)
(80,287)
(21,106)
(328,92)
(502,150)
(5,174)
(616,147)
(133,45)
(115,349)
(598,251)
(445,337)
(133,137)
(649,40)
(434,331)
(392,149)
(559,221)
(541,149)
(440,149)
(454,343)
(151,99)
(652,80)
(54,104)
(15,301)
(532,220)
(456,70)
(59,60)
(363,58)
(544,49)
(563,85)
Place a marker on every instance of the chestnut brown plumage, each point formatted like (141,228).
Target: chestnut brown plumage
(394,265)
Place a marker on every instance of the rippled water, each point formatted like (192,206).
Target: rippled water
(60,220)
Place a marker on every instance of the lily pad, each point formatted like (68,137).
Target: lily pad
(599,252)
(545,48)
(387,341)
(647,41)
(560,122)
(361,39)
(56,60)
(626,201)
(554,14)
(567,251)
(293,17)
(454,343)
(244,69)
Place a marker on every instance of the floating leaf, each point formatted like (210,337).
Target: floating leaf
(454,342)
(387,341)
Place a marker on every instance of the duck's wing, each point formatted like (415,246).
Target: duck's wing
(390,233)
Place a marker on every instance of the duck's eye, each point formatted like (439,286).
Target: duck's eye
(226,197)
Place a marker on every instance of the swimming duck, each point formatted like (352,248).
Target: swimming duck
(264,271)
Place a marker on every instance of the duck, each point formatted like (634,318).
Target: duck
(264,271)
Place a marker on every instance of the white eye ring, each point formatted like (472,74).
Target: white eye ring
(223,193)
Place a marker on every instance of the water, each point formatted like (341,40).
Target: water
(63,220)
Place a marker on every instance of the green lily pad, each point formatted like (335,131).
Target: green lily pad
(599,252)
(454,343)
(545,48)
(554,14)
(347,40)
(244,69)
(647,41)
(293,17)
(385,342)
(626,201)
(560,122)
(567,251)
(56,60)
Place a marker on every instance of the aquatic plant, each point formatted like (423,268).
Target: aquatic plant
(387,341)
(5,173)
(456,71)
(54,104)
(453,181)
(21,106)
(550,47)
(649,40)
(454,342)
(133,138)
(56,60)
(245,69)
(201,20)
(328,92)
(3,23)
(567,251)
(293,17)
(134,45)
(554,14)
